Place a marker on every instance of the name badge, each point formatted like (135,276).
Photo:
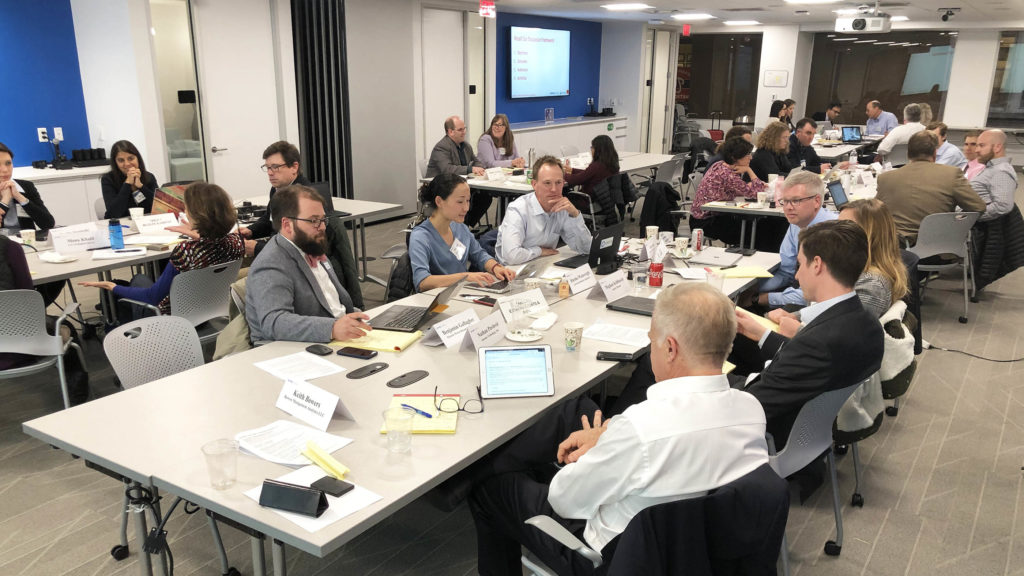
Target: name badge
(458,249)
(501,151)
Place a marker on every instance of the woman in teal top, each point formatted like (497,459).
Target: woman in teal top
(442,249)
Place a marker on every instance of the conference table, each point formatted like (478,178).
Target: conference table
(835,152)
(513,187)
(159,428)
(358,212)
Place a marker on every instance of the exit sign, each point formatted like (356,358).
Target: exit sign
(487,9)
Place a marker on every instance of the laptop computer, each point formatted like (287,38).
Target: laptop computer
(838,194)
(851,135)
(633,305)
(603,249)
(715,256)
(402,318)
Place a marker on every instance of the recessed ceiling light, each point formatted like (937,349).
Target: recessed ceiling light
(864,42)
(812,1)
(846,11)
(882,43)
(912,44)
(844,39)
(831,35)
(692,16)
(899,19)
(626,7)
(952,33)
(741,23)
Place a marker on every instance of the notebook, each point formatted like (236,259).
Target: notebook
(439,423)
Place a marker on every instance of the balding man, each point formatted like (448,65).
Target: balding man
(453,155)
(997,183)
(879,121)
(901,134)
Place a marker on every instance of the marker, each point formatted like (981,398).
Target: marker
(418,411)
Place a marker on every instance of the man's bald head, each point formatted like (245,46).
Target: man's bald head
(991,144)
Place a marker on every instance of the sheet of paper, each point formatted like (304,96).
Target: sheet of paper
(611,287)
(299,366)
(617,334)
(691,273)
(521,304)
(282,442)
(760,320)
(338,507)
(744,272)
(311,404)
(580,279)
(487,332)
(108,254)
(151,239)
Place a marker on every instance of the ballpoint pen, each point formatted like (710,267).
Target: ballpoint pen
(418,411)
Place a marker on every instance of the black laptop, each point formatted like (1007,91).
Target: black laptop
(603,249)
(633,305)
(851,135)
(402,318)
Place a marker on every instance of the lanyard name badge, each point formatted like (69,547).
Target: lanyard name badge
(458,249)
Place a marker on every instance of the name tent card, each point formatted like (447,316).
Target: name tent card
(612,287)
(580,279)
(518,305)
(486,332)
(495,174)
(311,404)
(155,224)
(78,238)
(451,330)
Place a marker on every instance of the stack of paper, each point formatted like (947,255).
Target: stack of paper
(283,441)
(383,340)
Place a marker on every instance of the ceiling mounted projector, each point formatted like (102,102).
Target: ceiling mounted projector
(877,24)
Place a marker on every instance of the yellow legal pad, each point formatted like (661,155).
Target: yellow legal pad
(441,423)
(382,340)
(761,320)
(743,272)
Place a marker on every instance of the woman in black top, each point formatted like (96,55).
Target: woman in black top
(127,185)
(772,147)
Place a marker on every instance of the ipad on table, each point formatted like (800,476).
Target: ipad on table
(516,371)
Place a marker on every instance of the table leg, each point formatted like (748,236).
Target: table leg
(259,557)
(359,248)
(753,233)
(743,231)
(145,564)
(277,550)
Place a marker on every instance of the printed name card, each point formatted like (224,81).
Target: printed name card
(868,179)
(580,279)
(495,174)
(612,287)
(78,238)
(155,224)
(519,305)
(451,330)
(311,404)
(487,332)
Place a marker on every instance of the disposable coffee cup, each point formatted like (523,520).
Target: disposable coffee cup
(28,237)
(652,232)
(221,462)
(762,198)
(573,336)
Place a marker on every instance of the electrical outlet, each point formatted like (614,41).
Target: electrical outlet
(42,135)
(58,133)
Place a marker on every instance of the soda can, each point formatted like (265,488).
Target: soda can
(697,239)
(657,274)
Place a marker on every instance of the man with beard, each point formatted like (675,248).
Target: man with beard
(293,292)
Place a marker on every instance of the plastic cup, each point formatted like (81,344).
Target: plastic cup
(652,232)
(222,462)
(398,422)
(532,283)
(762,198)
(716,281)
(573,336)
(666,237)
(28,237)
(639,272)
(136,213)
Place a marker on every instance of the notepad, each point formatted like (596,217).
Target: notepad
(440,423)
(744,272)
(761,320)
(382,340)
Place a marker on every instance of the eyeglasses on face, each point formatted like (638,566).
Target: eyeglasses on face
(272,167)
(795,201)
(315,222)
(449,405)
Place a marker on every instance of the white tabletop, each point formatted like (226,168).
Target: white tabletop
(49,174)
(632,161)
(357,209)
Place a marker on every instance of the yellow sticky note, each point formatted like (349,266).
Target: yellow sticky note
(325,461)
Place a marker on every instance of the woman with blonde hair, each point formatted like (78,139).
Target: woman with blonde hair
(772,148)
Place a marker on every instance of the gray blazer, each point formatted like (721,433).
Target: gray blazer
(284,301)
(444,158)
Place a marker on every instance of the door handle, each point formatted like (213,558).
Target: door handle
(215,149)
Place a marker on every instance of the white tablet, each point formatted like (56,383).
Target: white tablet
(516,371)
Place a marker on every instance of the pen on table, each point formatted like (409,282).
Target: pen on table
(418,411)
(743,205)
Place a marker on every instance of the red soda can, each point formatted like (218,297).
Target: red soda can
(697,239)
(657,273)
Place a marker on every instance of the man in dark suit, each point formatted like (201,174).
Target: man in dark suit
(453,155)
(839,343)
(281,163)
(923,187)
(293,292)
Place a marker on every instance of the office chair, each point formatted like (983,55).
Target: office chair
(947,233)
(23,331)
(201,297)
(100,207)
(399,284)
(809,440)
(141,352)
(734,529)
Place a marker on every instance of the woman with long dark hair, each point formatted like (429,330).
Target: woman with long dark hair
(604,163)
(127,185)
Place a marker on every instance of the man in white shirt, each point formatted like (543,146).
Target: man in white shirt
(691,435)
(900,135)
(292,290)
(535,222)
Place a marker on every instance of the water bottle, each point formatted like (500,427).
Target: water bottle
(116,236)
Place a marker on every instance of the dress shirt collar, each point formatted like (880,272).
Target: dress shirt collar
(535,208)
(687,385)
(808,314)
(997,161)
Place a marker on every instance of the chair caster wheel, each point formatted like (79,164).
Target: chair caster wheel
(840,449)
(962,319)
(832,549)
(232,572)
(119,552)
(891,411)
(857,500)
(975,300)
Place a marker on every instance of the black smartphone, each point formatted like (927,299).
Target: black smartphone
(331,485)
(616,356)
(352,352)
(486,301)
(319,349)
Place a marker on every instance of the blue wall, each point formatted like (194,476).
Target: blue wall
(42,85)
(584,70)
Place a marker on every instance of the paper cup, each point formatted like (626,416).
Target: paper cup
(221,462)
(573,336)
(762,198)
(652,232)
(681,244)
(28,237)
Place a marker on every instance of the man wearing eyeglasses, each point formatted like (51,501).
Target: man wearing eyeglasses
(453,155)
(802,202)
(293,291)
(281,163)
